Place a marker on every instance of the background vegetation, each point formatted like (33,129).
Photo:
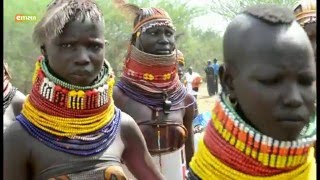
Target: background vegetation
(198,45)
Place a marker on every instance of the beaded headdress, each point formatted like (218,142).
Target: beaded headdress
(60,12)
(305,12)
(180,57)
(145,18)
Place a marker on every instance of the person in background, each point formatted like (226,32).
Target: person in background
(215,67)
(12,99)
(181,64)
(210,78)
(193,80)
(306,16)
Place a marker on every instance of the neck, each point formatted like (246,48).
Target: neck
(232,144)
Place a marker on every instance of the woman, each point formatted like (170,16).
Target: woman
(12,99)
(69,127)
(150,91)
(181,63)
(263,124)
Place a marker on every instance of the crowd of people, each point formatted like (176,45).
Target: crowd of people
(78,123)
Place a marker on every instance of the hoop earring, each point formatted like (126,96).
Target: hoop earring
(234,103)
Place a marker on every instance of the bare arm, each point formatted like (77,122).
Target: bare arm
(17,102)
(136,155)
(191,113)
(15,164)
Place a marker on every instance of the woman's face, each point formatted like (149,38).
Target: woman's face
(180,70)
(158,40)
(77,55)
(275,84)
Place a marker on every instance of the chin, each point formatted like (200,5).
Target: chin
(289,134)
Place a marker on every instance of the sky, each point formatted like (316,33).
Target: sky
(211,20)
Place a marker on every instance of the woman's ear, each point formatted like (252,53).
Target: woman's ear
(227,81)
(43,50)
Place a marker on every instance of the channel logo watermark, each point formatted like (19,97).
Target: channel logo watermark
(25,18)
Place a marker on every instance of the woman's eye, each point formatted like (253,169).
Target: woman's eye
(169,33)
(306,81)
(96,46)
(269,82)
(66,45)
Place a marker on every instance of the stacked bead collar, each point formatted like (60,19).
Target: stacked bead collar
(150,79)
(64,116)
(232,148)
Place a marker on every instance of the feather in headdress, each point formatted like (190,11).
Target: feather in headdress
(59,13)
(128,10)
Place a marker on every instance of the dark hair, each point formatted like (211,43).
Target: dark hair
(60,12)
(274,14)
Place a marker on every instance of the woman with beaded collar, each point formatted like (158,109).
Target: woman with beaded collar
(150,91)
(12,99)
(263,125)
(69,127)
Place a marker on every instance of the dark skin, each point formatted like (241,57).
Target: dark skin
(160,41)
(81,50)
(14,108)
(311,30)
(272,77)
(180,70)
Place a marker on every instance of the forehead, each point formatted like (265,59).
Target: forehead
(82,27)
(281,46)
(159,27)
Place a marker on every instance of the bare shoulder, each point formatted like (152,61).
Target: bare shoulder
(19,97)
(127,123)
(16,136)
(15,132)
(190,99)
(119,97)
(129,128)
(17,102)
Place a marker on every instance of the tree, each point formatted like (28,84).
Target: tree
(21,53)
(229,8)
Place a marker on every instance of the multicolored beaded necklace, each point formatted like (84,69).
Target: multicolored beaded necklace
(152,80)
(77,120)
(8,93)
(232,149)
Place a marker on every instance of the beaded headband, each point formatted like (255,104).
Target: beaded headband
(153,17)
(305,12)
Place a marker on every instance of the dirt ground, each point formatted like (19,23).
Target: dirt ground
(205,102)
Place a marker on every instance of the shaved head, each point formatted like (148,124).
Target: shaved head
(250,32)
(269,71)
